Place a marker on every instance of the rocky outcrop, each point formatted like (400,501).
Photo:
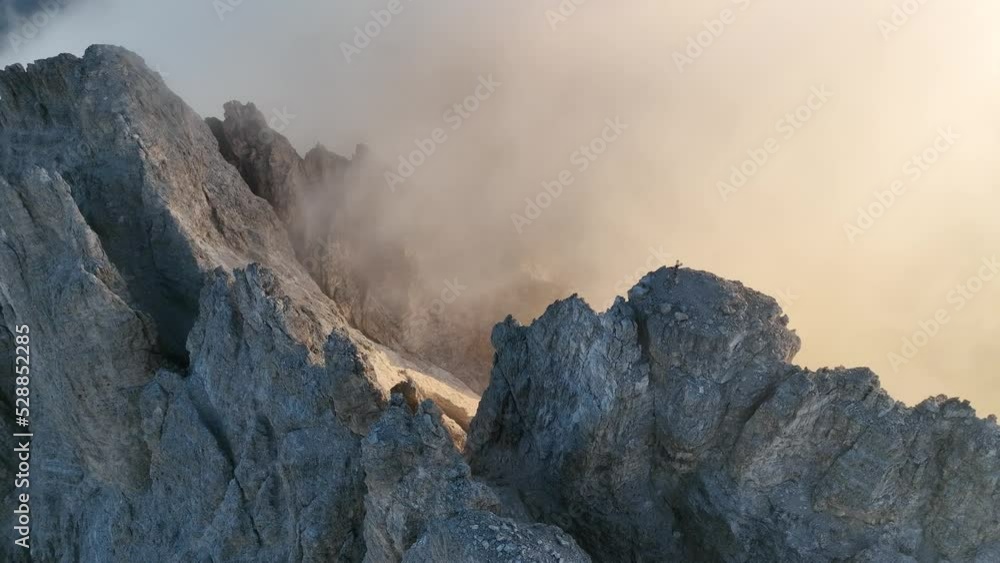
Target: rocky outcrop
(414,475)
(673,427)
(484,537)
(198,396)
(267,162)
(146,176)
(423,505)
(279,475)
(94,347)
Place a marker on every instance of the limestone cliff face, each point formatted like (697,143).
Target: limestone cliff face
(206,389)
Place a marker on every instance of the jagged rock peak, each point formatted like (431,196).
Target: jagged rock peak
(203,399)
(674,426)
(266,160)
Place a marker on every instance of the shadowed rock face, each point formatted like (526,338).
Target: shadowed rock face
(201,395)
(269,164)
(197,397)
(145,175)
(326,206)
(673,426)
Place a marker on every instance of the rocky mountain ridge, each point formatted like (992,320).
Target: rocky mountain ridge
(205,392)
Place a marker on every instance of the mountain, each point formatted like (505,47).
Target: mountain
(217,375)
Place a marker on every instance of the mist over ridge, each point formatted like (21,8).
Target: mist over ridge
(652,197)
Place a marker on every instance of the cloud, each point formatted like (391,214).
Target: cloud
(657,186)
(22,21)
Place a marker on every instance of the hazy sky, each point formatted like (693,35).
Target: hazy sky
(907,104)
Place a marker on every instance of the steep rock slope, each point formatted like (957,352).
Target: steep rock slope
(673,426)
(269,165)
(197,396)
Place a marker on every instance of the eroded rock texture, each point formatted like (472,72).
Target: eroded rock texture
(484,537)
(269,164)
(422,504)
(672,427)
(197,397)
(414,475)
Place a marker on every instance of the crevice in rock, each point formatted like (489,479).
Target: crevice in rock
(211,420)
(161,292)
(409,394)
(225,147)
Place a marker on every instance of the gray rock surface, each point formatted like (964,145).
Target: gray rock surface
(414,475)
(279,474)
(484,537)
(197,396)
(673,427)
(92,350)
(266,161)
(145,173)
(422,504)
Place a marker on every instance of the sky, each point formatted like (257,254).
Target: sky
(839,157)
